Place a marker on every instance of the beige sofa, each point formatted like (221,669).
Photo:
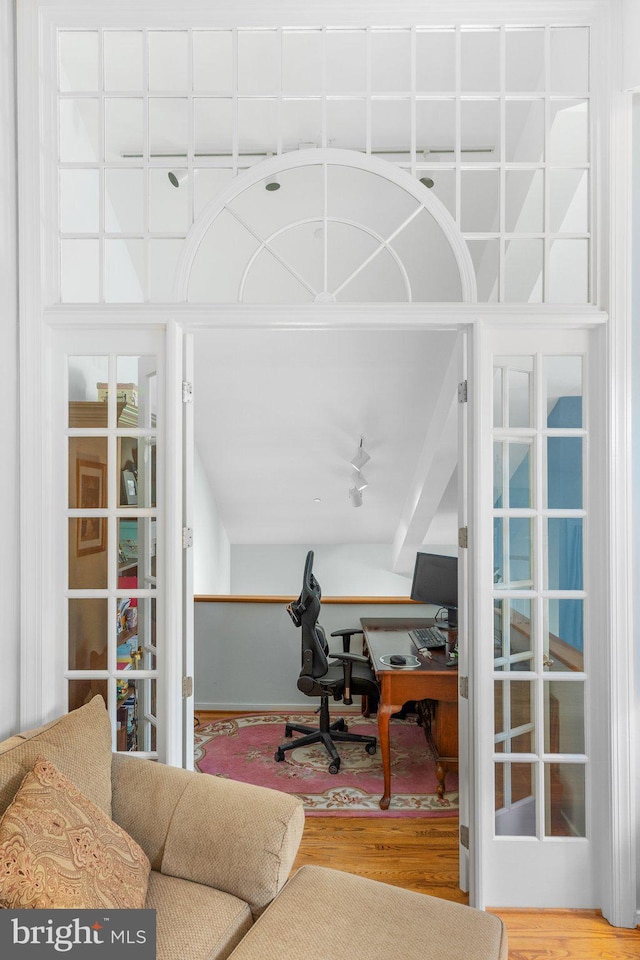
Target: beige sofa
(221,853)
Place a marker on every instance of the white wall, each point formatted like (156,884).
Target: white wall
(9,486)
(211,549)
(361,570)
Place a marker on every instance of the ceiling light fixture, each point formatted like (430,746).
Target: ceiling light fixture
(360,457)
(427,181)
(356,497)
(360,482)
(176,177)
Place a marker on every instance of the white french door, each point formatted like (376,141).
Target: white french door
(118,412)
(538,617)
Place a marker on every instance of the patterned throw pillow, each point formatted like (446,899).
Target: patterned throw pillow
(59,850)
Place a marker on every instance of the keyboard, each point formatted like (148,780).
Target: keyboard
(428,638)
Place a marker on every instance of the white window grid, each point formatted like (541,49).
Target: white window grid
(507,668)
(142,679)
(412,157)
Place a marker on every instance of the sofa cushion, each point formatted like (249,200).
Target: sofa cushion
(59,850)
(194,921)
(78,743)
(323,914)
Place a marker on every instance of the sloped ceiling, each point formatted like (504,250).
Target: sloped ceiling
(279,415)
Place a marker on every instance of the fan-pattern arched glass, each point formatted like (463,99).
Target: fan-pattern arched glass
(328,233)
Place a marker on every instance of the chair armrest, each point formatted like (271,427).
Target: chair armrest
(231,836)
(353,657)
(346,637)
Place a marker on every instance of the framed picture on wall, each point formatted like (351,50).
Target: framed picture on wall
(91,494)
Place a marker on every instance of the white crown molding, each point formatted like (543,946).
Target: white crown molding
(193,316)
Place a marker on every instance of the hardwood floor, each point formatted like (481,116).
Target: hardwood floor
(422,855)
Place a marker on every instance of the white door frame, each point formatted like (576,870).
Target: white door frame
(37,549)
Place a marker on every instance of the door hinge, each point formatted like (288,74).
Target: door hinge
(187,687)
(463,391)
(187,392)
(463,537)
(464,836)
(187,537)
(464,687)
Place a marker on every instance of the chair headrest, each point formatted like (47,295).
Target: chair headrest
(310,591)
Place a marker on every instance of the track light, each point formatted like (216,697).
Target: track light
(177,177)
(360,482)
(272,184)
(360,457)
(355,496)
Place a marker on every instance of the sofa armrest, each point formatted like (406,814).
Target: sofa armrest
(230,836)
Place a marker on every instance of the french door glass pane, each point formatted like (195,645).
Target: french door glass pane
(137,470)
(515,799)
(82,691)
(513,716)
(513,552)
(564,553)
(564,634)
(565,799)
(564,717)
(513,635)
(88,630)
(88,541)
(88,473)
(137,553)
(137,392)
(563,391)
(564,473)
(135,730)
(518,460)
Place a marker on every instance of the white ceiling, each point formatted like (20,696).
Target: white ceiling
(278,415)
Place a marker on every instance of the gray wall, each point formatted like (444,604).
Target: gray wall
(247,655)
(9,486)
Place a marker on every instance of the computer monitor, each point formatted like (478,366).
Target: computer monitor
(435,581)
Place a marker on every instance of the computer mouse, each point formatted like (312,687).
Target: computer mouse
(397,660)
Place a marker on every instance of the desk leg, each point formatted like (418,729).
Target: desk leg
(440,774)
(384,714)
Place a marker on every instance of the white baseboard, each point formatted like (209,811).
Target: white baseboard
(307,707)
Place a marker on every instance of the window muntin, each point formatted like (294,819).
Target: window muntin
(112,527)
(540,443)
(497,120)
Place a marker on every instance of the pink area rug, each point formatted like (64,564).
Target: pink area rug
(242,748)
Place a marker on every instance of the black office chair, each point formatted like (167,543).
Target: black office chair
(352,674)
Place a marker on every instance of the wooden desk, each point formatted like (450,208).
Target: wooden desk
(432,680)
